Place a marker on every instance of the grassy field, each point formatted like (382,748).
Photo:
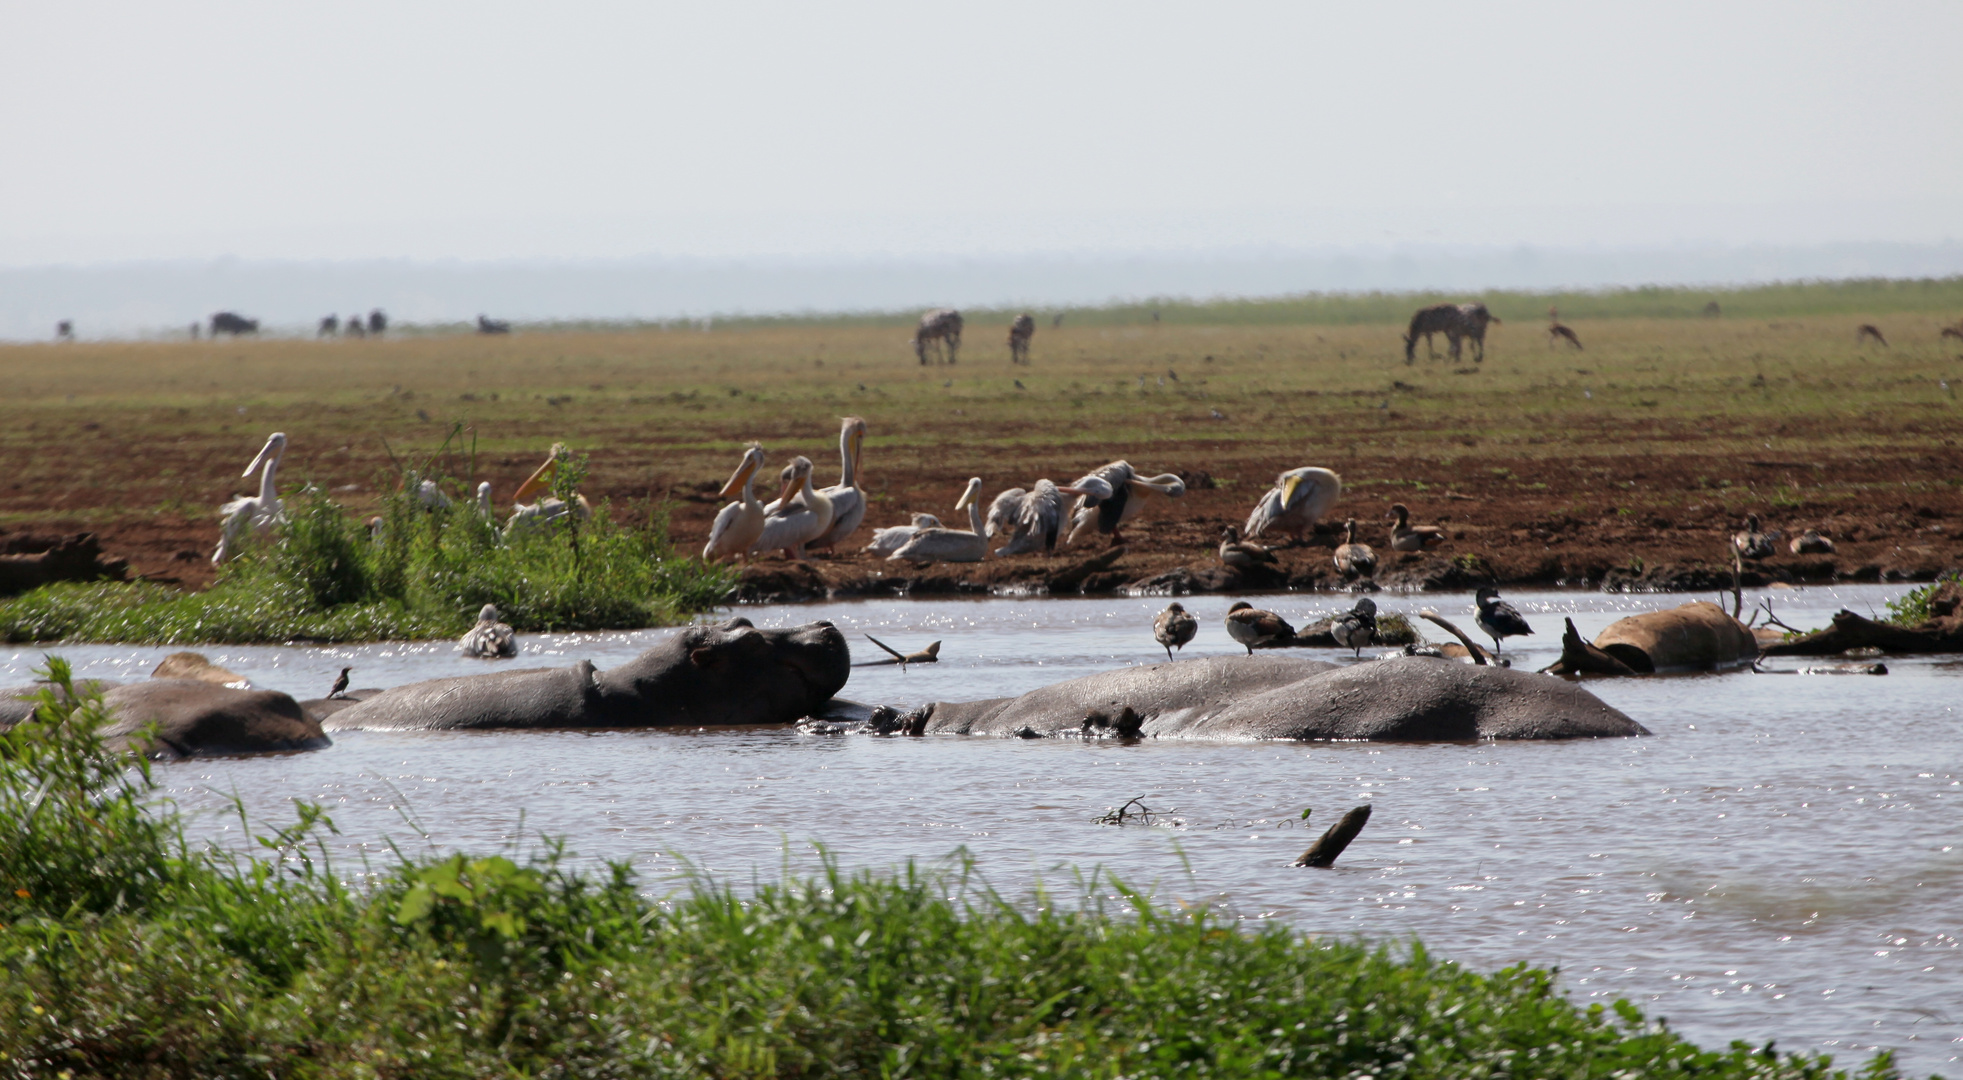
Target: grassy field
(1651,442)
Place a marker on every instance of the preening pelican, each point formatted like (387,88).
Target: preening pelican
(739,524)
(888,540)
(848,502)
(950,545)
(1405,536)
(803,513)
(526,517)
(1299,498)
(489,639)
(254,511)
(1032,519)
(1127,492)
(1353,558)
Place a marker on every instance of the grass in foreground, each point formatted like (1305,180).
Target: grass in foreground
(128,953)
(426,574)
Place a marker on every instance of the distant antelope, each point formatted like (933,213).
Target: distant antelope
(1556,331)
(1020,332)
(1952,331)
(378,322)
(1870,330)
(65,330)
(1712,310)
(942,328)
(330,325)
(355,326)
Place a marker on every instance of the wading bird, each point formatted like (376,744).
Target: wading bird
(950,545)
(848,502)
(1240,554)
(259,511)
(888,540)
(1751,543)
(740,524)
(803,513)
(1498,618)
(489,639)
(1252,626)
(1356,627)
(1354,559)
(1405,536)
(1114,495)
(1297,501)
(1174,627)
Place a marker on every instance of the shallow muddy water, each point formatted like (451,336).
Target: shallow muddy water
(1782,859)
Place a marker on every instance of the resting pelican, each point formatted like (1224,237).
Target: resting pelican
(254,511)
(489,639)
(1405,536)
(484,509)
(888,540)
(803,513)
(1174,627)
(526,517)
(950,545)
(848,502)
(1298,499)
(1127,492)
(1352,557)
(431,497)
(740,524)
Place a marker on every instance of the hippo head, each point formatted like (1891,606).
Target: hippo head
(736,673)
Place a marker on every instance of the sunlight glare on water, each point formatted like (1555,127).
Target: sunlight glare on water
(1782,859)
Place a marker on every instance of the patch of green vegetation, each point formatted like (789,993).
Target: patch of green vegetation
(1913,607)
(423,573)
(131,952)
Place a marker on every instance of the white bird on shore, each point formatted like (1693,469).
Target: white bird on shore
(950,545)
(526,517)
(259,511)
(484,509)
(740,524)
(803,513)
(1115,494)
(890,539)
(848,502)
(489,639)
(1299,498)
(1032,519)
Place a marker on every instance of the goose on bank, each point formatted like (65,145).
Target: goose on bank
(1811,542)
(1354,559)
(1405,536)
(950,545)
(1297,501)
(802,515)
(1751,543)
(259,511)
(1240,554)
(740,524)
(1114,495)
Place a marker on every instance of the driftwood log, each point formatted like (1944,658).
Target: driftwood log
(1851,631)
(1323,852)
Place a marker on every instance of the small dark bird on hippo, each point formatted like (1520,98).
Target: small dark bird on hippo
(340,684)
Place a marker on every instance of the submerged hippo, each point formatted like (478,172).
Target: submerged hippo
(1269,697)
(193,717)
(704,675)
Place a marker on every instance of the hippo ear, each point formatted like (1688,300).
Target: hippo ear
(737,623)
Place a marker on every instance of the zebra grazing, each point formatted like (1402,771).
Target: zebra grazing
(1870,330)
(1020,332)
(1457,322)
(942,327)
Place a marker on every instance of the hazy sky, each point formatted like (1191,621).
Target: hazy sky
(579,130)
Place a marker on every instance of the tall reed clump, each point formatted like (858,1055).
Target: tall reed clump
(420,571)
(128,952)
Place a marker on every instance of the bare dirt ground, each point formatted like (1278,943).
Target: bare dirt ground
(1626,466)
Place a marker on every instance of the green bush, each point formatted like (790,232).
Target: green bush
(127,953)
(1913,607)
(423,573)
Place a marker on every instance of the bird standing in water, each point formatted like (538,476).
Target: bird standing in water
(1174,627)
(1251,626)
(340,684)
(1498,618)
(1357,627)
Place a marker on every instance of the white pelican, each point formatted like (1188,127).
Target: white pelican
(1032,518)
(1405,536)
(888,540)
(431,497)
(1299,497)
(254,511)
(526,517)
(848,502)
(489,639)
(484,509)
(1114,495)
(803,513)
(739,524)
(950,545)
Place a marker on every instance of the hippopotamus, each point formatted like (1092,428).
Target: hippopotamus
(734,673)
(194,717)
(1400,699)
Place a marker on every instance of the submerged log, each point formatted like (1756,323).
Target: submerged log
(1323,852)
(1851,631)
(1578,657)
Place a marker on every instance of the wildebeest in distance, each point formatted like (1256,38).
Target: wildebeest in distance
(65,330)
(356,328)
(378,321)
(940,327)
(1020,331)
(488,325)
(228,322)
(330,325)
